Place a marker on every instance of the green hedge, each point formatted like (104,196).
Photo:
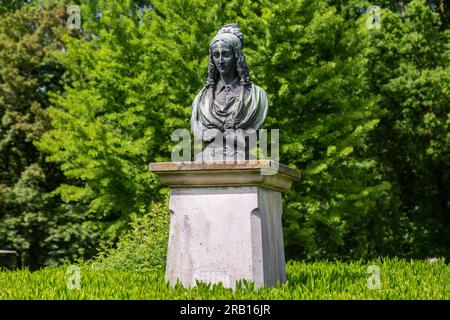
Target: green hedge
(400,279)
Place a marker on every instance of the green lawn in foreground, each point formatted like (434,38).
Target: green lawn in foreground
(400,279)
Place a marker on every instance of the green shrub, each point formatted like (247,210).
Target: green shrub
(143,247)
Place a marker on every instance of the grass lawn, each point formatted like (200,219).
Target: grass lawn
(400,279)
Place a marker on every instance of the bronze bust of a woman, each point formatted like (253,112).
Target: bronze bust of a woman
(229,105)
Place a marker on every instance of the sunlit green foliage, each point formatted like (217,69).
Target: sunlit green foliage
(143,247)
(400,279)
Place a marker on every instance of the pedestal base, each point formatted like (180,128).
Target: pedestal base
(224,234)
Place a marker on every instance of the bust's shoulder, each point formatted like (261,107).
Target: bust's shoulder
(259,90)
(201,93)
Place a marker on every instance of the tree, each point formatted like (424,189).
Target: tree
(42,228)
(410,72)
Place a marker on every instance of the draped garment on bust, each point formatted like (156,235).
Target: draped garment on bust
(247,112)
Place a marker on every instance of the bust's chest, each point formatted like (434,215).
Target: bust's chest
(227,95)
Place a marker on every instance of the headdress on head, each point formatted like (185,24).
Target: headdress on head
(230,34)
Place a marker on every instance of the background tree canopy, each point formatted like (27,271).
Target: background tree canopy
(363,114)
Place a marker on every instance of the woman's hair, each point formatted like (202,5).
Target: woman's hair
(241,67)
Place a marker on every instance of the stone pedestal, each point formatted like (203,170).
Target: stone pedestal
(226,221)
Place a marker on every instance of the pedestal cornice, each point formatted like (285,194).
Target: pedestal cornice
(264,173)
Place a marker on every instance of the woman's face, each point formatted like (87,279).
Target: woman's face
(223,57)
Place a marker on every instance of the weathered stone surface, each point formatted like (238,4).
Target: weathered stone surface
(264,173)
(226,222)
(224,234)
